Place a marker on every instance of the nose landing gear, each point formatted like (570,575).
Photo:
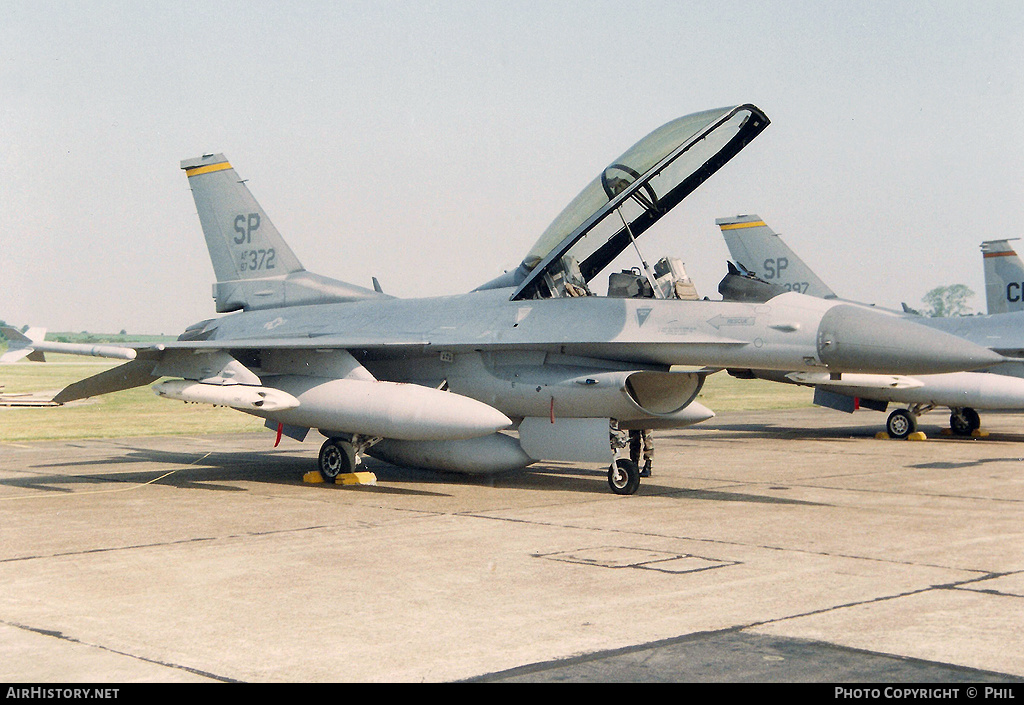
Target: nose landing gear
(623,476)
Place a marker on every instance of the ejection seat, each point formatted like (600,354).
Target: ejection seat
(670,282)
(567,280)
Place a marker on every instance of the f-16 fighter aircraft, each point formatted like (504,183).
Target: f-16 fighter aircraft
(749,238)
(530,366)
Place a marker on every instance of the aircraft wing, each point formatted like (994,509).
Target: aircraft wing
(217,361)
(156,361)
(339,342)
(127,376)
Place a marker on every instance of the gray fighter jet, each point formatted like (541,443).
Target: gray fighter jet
(749,239)
(529,366)
(1004,277)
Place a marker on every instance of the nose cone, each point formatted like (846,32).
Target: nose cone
(855,339)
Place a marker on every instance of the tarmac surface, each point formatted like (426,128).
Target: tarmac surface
(784,546)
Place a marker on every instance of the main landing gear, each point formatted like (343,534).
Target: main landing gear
(340,455)
(964,421)
(337,457)
(901,423)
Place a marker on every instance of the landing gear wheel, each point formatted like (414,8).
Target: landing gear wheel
(624,476)
(964,421)
(901,423)
(972,418)
(336,458)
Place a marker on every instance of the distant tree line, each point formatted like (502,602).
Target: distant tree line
(946,301)
(83,337)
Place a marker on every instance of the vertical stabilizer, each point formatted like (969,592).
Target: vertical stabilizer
(255,267)
(760,249)
(1004,277)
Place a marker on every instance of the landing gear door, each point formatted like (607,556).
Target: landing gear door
(576,440)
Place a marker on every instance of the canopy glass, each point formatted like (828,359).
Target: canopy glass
(634,191)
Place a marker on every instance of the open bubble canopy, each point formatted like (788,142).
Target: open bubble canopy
(634,192)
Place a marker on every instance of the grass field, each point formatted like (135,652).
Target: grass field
(135,412)
(139,412)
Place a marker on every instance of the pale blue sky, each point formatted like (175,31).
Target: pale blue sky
(429,143)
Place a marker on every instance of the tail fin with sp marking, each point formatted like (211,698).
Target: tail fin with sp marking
(759,248)
(254,266)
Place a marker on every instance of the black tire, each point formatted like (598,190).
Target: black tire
(334,459)
(972,418)
(624,476)
(958,423)
(964,421)
(901,423)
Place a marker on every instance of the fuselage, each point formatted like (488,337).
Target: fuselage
(789,332)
